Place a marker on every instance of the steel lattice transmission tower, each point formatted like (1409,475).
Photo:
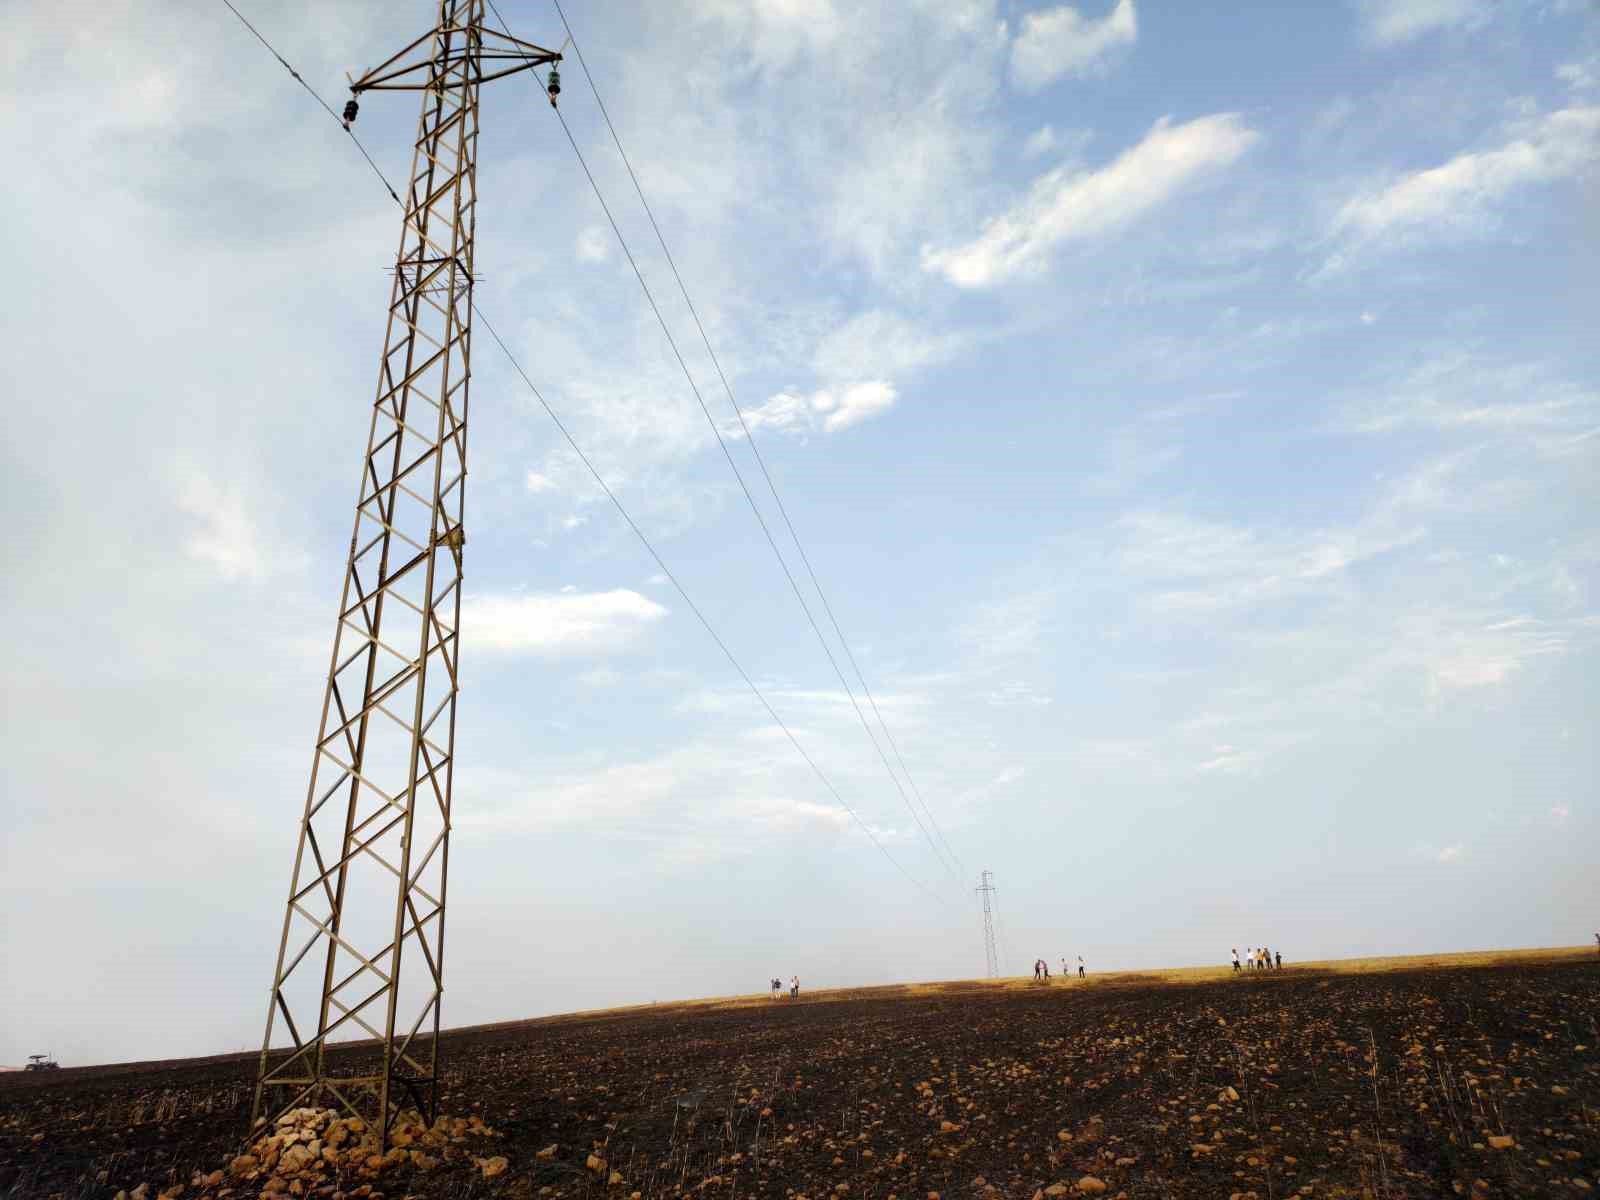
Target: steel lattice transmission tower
(986,890)
(362,949)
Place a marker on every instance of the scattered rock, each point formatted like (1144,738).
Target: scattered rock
(1091,1186)
(493,1166)
(548,1152)
(1501,1141)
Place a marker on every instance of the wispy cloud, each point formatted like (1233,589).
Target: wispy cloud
(1228,760)
(1463,392)
(1068,205)
(559,623)
(1390,22)
(1040,142)
(881,344)
(229,531)
(1461,197)
(828,410)
(1013,625)
(594,245)
(1581,75)
(1056,42)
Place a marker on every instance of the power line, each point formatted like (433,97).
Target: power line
(749,435)
(693,607)
(393,195)
(728,454)
(650,548)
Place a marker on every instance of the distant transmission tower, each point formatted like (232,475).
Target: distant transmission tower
(362,949)
(986,890)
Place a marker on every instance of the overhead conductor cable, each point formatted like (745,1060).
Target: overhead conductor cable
(617,503)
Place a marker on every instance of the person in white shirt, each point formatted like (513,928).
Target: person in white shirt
(1236,967)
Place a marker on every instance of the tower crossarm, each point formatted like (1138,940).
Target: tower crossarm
(415,67)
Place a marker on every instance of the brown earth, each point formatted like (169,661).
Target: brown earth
(1475,1080)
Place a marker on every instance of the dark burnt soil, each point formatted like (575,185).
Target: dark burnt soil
(1287,1084)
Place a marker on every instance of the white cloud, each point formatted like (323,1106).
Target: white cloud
(1580,76)
(1012,626)
(1460,196)
(1449,854)
(1222,566)
(1475,670)
(1009,775)
(1228,760)
(539,482)
(229,536)
(1368,318)
(1055,42)
(829,410)
(570,623)
(594,244)
(1040,142)
(1017,694)
(1561,812)
(854,404)
(785,412)
(1067,205)
(1470,394)
(1389,22)
(879,344)
(575,521)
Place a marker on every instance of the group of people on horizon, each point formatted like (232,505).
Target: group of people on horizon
(794,988)
(1041,969)
(1257,958)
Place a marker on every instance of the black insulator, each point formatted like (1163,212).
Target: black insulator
(554,86)
(351,108)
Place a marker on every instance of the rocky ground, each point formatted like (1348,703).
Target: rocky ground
(1474,1082)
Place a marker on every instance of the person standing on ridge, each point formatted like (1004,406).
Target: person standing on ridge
(1236,966)
(1080,966)
(1279,957)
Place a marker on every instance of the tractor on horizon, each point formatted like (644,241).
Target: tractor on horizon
(41,1062)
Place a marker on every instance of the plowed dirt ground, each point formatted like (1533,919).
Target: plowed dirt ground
(1300,1082)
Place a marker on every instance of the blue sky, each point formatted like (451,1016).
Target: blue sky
(1192,417)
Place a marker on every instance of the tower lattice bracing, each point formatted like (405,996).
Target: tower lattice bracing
(362,950)
(986,890)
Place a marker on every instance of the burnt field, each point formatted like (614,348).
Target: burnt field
(1460,1081)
